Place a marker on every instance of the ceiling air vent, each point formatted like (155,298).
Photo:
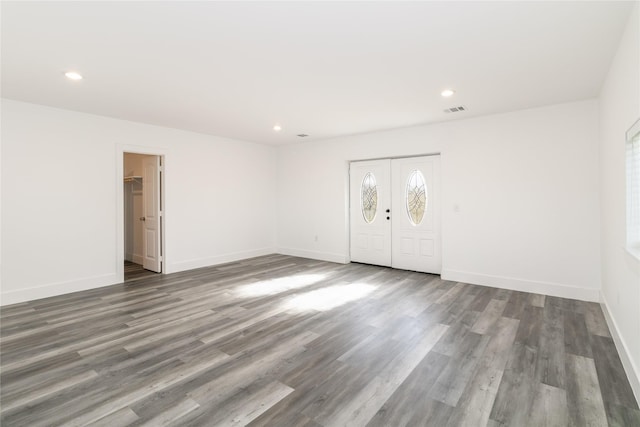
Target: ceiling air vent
(302,135)
(454,109)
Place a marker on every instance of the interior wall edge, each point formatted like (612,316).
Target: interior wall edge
(523,285)
(630,368)
(55,289)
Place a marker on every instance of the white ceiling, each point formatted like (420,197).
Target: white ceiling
(323,68)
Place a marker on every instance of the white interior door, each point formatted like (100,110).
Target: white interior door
(151,214)
(415,222)
(395,213)
(370,202)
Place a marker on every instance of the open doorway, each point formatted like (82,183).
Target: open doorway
(142,189)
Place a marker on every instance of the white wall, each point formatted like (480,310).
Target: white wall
(133,164)
(526,183)
(619,109)
(60,187)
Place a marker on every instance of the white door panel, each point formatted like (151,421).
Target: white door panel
(404,233)
(151,209)
(370,230)
(415,188)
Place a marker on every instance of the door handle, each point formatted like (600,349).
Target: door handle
(388,211)
(143,218)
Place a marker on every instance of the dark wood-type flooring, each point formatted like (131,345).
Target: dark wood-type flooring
(284,341)
(133,271)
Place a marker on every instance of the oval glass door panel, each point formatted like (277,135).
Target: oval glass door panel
(369,197)
(416,197)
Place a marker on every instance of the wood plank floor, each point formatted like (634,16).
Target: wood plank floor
(284,341)
(133,271)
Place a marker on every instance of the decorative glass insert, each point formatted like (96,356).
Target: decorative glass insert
(416,197)
(369,197)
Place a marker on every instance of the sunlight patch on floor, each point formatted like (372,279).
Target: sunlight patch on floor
(276,286)
(329,297)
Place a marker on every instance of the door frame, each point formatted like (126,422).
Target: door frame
(348,199)
(136,149)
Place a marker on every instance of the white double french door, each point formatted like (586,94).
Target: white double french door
(395,213)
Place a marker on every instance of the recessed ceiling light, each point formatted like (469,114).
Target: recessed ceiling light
(277,128)
(72,75)
(447,92)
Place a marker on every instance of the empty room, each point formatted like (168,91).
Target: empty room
(320,213)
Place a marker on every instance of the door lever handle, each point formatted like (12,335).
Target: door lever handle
(143,218)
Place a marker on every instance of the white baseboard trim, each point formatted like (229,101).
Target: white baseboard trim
(220,259)
(546,288)
(630,368)
(59,288)
(135,258)
(321,256)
